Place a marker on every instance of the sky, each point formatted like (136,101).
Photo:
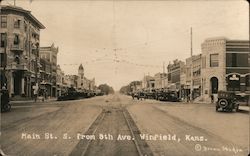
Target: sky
(121,41)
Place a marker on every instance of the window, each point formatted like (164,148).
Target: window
(25,27)
(3,40)
(17,24)
(3,21)
(237,60)
(16,39)
(2,58)
(214,60)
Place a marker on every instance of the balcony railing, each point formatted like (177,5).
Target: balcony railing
(16,47)
(15,66)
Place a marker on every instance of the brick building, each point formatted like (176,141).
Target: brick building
(19,50)
(225,66)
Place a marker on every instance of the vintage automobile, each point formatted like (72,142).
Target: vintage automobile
(138,95)
(226,102)
(70,94)
(167,96)
(150,94)
(5,105)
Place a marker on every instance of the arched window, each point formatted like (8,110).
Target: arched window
(233,82)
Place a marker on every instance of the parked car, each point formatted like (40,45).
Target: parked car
(226,102)
(167,96)
(150,94)
(70,94)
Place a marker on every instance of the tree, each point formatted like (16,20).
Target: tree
(106,89)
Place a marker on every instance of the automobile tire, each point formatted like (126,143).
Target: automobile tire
(223,103)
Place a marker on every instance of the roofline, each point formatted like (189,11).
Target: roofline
(28,13)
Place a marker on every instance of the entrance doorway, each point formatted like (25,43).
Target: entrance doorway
(17,82)
(214,85)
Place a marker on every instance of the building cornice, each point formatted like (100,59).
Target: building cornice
(26,13)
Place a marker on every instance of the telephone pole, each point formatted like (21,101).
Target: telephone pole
(163,77)
(191,65)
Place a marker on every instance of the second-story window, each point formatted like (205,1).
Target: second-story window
(3,40)
(25,26)
(17,24)
(214,60)
(3,21)
(16,39)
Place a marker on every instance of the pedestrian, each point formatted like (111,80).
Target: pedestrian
(212,98)
(133,95)
(45,94)
(35,94)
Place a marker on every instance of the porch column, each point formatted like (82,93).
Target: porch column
(11,84)
(22,86)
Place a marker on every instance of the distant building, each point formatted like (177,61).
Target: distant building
(161,80)
(225,66)
(135,86)
(174,74)
(46,74)
(50,55)
(82,82)
(59,81)
(148,82)
(195,64)
(19,50)
(71,81)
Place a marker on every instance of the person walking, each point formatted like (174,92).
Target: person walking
(35,92)
(212,98)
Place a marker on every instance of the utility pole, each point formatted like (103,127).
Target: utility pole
(191,66)
(36,66)
(163,75)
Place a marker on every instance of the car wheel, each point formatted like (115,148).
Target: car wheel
(223,103)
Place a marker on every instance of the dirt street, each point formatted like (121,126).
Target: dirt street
(163,128)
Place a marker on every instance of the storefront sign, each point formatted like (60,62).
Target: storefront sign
(234,78)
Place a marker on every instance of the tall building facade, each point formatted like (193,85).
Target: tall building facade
(49,54)
(161,80)
(225,66)
(193,62)
(174,74)
(59,81)
(19,50)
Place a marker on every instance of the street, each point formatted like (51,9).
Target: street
(117,125)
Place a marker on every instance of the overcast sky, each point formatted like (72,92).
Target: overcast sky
(144,33)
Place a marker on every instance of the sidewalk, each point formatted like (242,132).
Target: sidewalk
(244,108)
(32,101)
(241,107)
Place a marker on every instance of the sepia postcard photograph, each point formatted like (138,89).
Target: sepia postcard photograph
(124,78)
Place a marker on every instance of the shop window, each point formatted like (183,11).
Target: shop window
(237,60)
(214,60)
